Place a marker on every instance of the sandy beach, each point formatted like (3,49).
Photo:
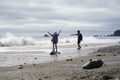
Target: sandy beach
(69,69)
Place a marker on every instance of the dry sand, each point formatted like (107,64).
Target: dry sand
(70,69)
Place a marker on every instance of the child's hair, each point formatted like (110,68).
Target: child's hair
(78,31)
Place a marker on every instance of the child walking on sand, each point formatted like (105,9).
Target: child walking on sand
(54,39)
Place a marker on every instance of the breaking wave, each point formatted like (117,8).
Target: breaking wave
(12,40)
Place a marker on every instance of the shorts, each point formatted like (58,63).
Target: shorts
(54,41)
(78,42)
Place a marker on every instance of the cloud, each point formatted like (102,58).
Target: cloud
(38,14)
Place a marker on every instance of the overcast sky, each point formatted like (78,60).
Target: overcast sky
(35,15)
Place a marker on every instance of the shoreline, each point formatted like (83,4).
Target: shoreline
(69,69)
(30,56)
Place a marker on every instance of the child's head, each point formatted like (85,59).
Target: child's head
(78,31)
(55,33)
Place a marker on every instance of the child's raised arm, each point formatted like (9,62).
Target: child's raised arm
(49,33)
(59,32)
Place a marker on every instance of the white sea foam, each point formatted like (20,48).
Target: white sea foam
(91,40)
(12,40)
(95,40)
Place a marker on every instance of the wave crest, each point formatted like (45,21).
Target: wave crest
(12,40)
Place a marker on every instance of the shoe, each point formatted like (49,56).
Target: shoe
(78,48)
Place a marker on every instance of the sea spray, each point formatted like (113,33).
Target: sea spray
(89,40)
(12,40)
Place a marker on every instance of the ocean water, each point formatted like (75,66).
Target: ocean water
(21,50)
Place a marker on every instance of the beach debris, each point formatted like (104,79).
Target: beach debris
(91,64)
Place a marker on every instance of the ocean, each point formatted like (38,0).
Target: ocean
(23,49)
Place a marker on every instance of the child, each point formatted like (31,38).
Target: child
(80,38)
(54,39)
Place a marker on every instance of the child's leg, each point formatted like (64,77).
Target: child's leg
(53,47)
(56,47)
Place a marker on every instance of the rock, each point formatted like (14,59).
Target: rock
(106,77)
(93,64)
(35,58)
(46,35)
(34,64)
(90,59)
(98,55)
(82,60)
(46,77)
(22,79)
(116,33)
(104,55)
(20,67)
(53,53)
(69,59)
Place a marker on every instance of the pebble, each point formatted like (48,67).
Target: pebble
(46,77)
(82,60)
(106,77)
(21,67)
(69,59)
(35,58)
(34,64)
(90,59)
(98,55)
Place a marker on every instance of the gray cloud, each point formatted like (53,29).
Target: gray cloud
(36,14)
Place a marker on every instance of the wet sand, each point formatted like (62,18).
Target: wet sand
(69,69)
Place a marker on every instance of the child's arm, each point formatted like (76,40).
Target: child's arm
(59,32)
(49,33)
(73,34)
